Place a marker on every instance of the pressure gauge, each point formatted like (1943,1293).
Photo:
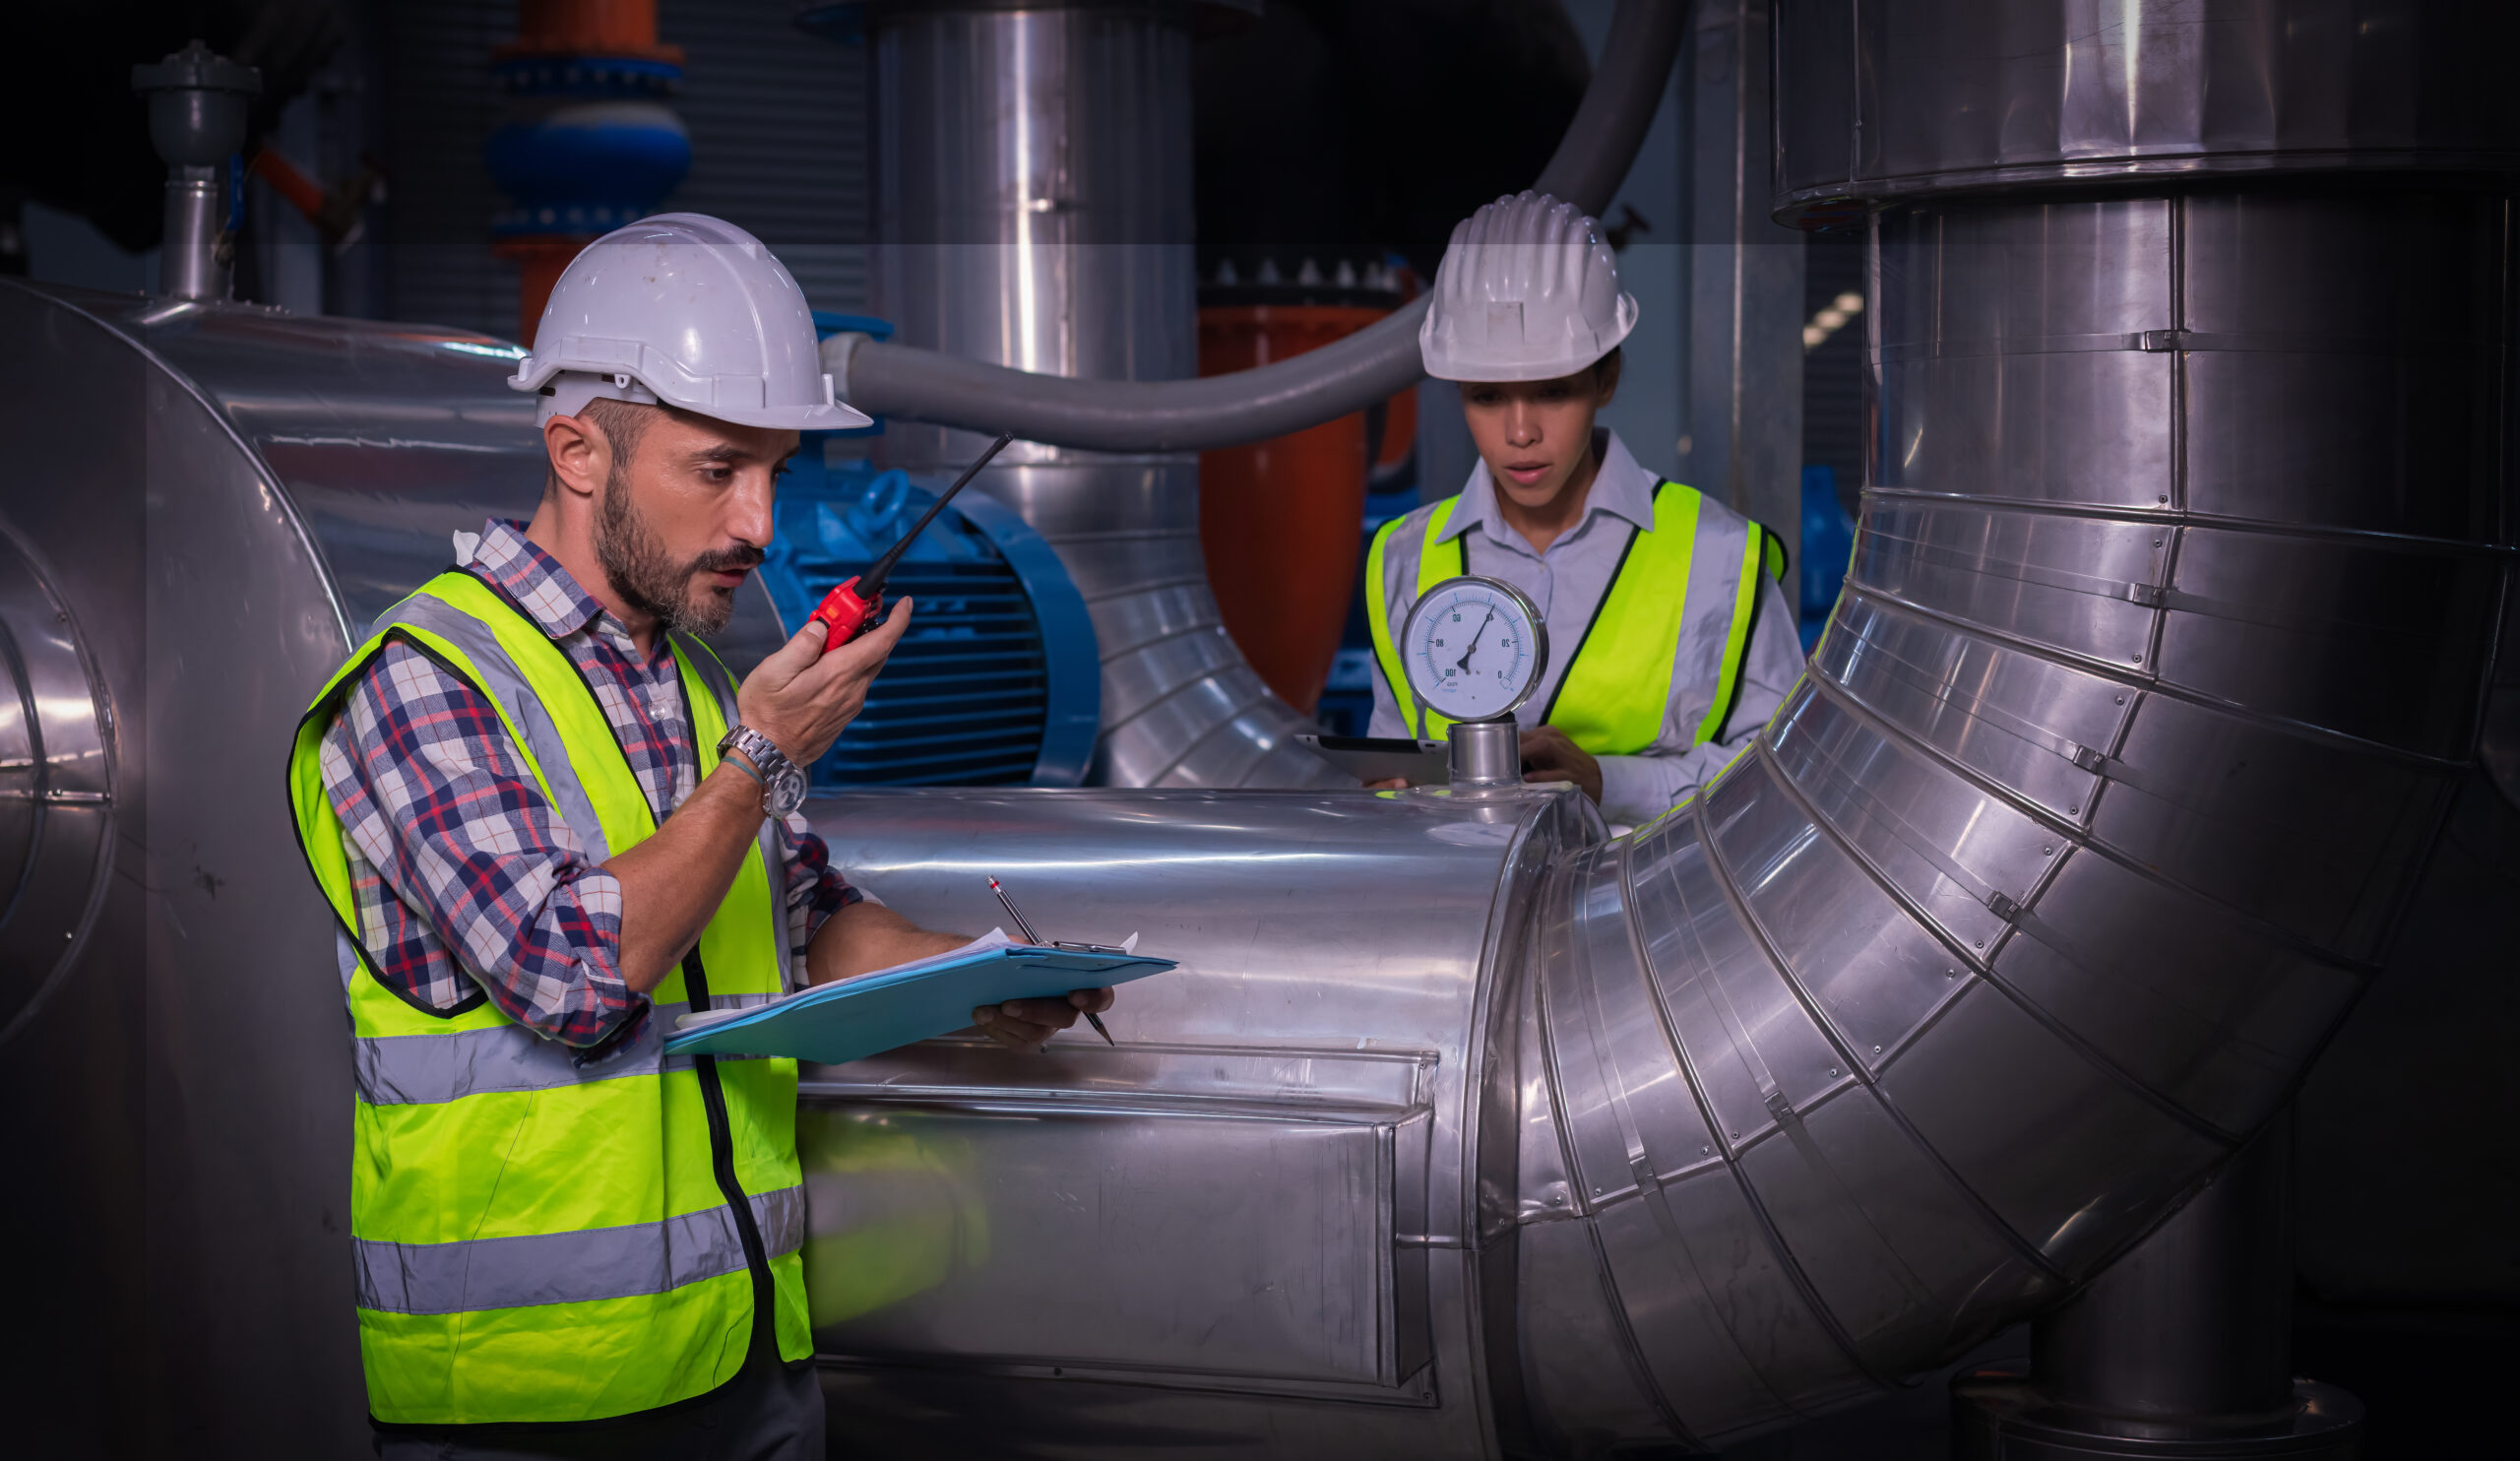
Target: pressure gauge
(1474,649)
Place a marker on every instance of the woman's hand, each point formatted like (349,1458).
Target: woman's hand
(1549,756)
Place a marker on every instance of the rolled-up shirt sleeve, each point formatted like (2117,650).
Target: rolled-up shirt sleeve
(433,795)
(815,889)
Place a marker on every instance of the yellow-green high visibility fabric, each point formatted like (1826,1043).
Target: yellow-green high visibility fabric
(537,1242)
(1618,684)
(1438,560)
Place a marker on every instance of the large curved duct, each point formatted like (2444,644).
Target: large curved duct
(2165,648)
(2102,796)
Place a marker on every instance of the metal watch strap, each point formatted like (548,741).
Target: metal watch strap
(782,780)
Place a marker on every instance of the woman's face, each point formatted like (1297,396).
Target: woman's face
(1533,435)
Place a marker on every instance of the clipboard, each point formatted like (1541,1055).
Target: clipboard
(1375,758)
(852,1019)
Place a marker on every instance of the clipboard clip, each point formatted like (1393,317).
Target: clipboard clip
(1031,937)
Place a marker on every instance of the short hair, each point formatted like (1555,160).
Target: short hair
(623,424)
(1606,367)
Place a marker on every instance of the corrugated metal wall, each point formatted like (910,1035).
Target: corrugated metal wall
(777,122)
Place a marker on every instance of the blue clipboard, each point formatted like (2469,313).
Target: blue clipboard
(877,1012)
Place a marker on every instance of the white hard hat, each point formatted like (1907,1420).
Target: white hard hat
(685,310)
(1528,291)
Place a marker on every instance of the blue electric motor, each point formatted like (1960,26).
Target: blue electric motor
(998,681)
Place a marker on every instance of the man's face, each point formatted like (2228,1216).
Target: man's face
(1533,433)
(685,515)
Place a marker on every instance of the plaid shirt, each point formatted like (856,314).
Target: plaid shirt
(463,874)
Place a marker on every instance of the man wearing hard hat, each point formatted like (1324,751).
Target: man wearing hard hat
(1672,641)
(548,822)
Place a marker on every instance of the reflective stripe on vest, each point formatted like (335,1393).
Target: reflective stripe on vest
(433,1069)
(451,1278)
(513,1213)
(1616,689)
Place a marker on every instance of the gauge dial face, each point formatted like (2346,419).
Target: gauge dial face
(1473,648)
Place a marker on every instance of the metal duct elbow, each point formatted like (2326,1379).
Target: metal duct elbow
(2162,651)
(1182,415)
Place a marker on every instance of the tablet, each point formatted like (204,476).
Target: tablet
(1375,758)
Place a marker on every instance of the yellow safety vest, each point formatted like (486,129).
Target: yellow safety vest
(1618,684)
(534,1241)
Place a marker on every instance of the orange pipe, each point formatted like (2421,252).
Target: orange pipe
(570,27)
(1277,518)
(589,28)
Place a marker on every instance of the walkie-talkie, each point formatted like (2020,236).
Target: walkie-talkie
(849,607)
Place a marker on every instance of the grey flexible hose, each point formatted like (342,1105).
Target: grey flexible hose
(1376,362)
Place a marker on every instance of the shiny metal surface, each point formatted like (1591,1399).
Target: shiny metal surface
(2182,1348)
(1249,1230)
(1031,192)
(188,1063)
(1484,754)
(1922,97)
(413,437)
(2198,1321)
(189,266)
(57,785)
(1032,198)
(2097,806)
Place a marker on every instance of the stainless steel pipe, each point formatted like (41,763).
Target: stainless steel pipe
(197,104)
(1033,199)
(2193,1330)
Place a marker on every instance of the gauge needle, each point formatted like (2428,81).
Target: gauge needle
(1464,663)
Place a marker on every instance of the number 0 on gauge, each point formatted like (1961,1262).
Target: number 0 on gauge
(1474,649)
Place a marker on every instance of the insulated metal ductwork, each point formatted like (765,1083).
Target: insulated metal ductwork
(2187,532)
(1032,196)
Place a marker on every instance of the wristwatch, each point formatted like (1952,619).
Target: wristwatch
(782,785)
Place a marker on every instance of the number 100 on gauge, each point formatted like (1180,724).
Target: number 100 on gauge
(1474,649)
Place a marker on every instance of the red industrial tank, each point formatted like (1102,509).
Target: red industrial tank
(1278,517)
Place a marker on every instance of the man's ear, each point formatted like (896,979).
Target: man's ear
(580,455)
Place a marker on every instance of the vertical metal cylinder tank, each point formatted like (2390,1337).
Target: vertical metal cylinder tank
(1033,210)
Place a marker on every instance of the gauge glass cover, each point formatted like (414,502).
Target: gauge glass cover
(1474,649)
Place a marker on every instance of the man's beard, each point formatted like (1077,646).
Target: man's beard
(646,577)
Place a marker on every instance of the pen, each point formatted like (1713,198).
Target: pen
(1032,937)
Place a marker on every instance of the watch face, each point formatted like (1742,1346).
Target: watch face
(786,791)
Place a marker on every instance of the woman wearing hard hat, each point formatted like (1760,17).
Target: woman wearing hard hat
(1671,639)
